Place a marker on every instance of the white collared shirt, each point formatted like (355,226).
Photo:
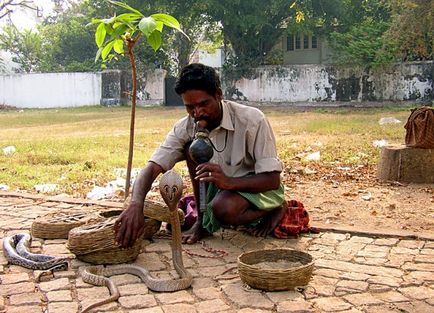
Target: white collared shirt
(248,147)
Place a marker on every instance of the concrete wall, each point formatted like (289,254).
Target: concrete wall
(50,90)
(315,83)
(274,84)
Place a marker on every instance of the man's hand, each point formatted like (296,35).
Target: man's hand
(209,172)
(130,225)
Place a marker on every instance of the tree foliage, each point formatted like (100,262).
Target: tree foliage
(25,47)
(412,29)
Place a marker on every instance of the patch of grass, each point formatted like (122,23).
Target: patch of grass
(78,148)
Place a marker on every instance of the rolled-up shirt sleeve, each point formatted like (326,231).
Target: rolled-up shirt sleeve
(265,152)
(171,150)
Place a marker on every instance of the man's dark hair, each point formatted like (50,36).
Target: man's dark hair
(197,76)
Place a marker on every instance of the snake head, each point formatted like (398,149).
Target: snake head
(171,188)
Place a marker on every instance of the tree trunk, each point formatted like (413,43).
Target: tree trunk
(405,164)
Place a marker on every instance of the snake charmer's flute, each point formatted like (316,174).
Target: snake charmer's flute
(201,151)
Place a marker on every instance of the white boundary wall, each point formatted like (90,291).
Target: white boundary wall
(50,90)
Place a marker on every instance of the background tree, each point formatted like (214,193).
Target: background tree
(250,28)
(412,29)
(25,47)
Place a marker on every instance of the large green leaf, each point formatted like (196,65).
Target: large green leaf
(154,40)
(147,25)
(125,6)
(106,50)
(118,46)
(100,34)
(169,21)
(166,19)
(128,17)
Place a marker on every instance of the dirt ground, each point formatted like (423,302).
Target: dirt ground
(352,196)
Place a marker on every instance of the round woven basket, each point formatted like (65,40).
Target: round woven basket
(58,224)
(275,269)
(95,243)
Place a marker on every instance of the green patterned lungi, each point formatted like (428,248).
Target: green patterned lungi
(267,201)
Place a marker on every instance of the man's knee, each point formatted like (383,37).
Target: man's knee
(226,207)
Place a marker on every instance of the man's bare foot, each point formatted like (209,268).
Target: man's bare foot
(268,223)
(194,234)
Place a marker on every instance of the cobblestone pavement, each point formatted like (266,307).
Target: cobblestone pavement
(353,272)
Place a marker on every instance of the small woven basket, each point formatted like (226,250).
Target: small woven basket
(275,269)
(95,243)
(57,225)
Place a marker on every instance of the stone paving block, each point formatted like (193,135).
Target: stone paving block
(370,260)
(327,272)
(331,304)
(336,236)
(386,241)
(56,250)
(56,284)
(418,293)
(125,279)
(426,267)
(242,298)
(280,296)
(249,310)
(26,309)
(405,251)
(150,261)
(133,289)
(424,258)
(388,281)
(360,239)
(362,299)
(391,297)
(207,293)
(411,244)
(381,309)
(212,271)
(25,299)
(349,248)
(414,306)
(14,278)
(354,276)
(94,293)
(359,268)
(155,309)
(137,301)
(295,306)
(174,297)
(397,260)
(179,308)
(202,282)
(352,285)
(418,278)
(212,306)
(324,286)
(59,296)
(14,289)
(376,288)
(62,307)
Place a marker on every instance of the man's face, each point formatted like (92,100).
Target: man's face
(203,107)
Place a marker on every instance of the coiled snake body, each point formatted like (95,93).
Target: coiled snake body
(171,191)
(16,251)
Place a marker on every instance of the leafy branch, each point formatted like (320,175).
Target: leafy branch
(111,37)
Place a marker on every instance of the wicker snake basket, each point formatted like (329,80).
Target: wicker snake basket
(275,269)
(95,243)
(58,224)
